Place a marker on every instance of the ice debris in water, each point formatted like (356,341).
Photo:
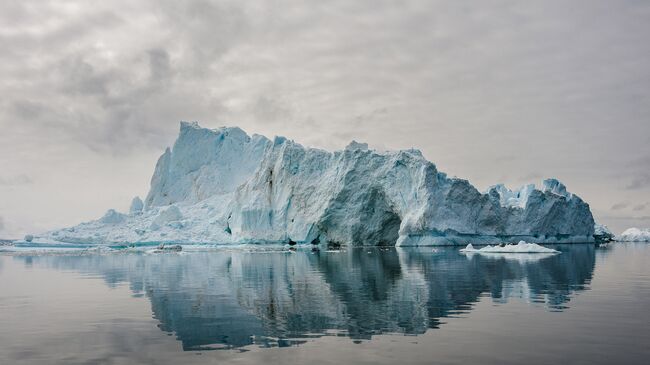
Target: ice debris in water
(224,186)
(162,248)
(521,247)
(635,235)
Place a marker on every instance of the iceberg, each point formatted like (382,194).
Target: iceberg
(222,186)
(521,247)
(602,234)
(635,235)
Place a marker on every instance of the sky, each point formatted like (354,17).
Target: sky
(492,91)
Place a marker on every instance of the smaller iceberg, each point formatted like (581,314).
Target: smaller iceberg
(521,247)
(635,235)
(602,234)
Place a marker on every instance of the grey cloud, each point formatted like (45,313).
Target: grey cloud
(619,206)
(28,110)
(484,90)
(88,91)
(640,207)
(639,169)
(641,181)
(15,180)
(629,218)
(159,65)
(270,110)
(532,177)
(78,77)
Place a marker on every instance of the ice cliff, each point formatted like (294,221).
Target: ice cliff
(223,186)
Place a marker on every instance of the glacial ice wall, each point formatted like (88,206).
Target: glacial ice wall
(222,186)
(204,163)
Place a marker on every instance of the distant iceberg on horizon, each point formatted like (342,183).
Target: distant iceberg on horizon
(634,235)
(223,186)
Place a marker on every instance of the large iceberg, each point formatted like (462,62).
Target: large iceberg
(224,186)
(635,235)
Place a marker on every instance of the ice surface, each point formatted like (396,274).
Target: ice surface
(222,186)
(168,215)
(512,199)
(112,217)
(521,247)
(136,205)
(635,235)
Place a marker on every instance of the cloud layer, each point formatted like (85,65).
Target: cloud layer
(90,94)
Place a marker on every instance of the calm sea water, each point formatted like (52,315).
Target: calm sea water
(587,305)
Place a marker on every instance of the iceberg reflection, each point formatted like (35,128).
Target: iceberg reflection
(234,298)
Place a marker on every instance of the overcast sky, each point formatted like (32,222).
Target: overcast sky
(493,91)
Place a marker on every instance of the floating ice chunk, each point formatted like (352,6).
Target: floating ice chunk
(521,247)
(136,205)
(635,235)
(29,238)
(162,248)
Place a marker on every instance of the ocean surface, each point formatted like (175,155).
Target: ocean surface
(271,305)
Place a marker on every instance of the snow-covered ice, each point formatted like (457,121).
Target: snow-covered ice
(521,247)
(223,186)
(635,235)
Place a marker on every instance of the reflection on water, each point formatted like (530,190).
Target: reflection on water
(234,298)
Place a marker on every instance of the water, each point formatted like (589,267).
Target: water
(587,305)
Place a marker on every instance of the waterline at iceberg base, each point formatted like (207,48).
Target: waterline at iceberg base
(223,186)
